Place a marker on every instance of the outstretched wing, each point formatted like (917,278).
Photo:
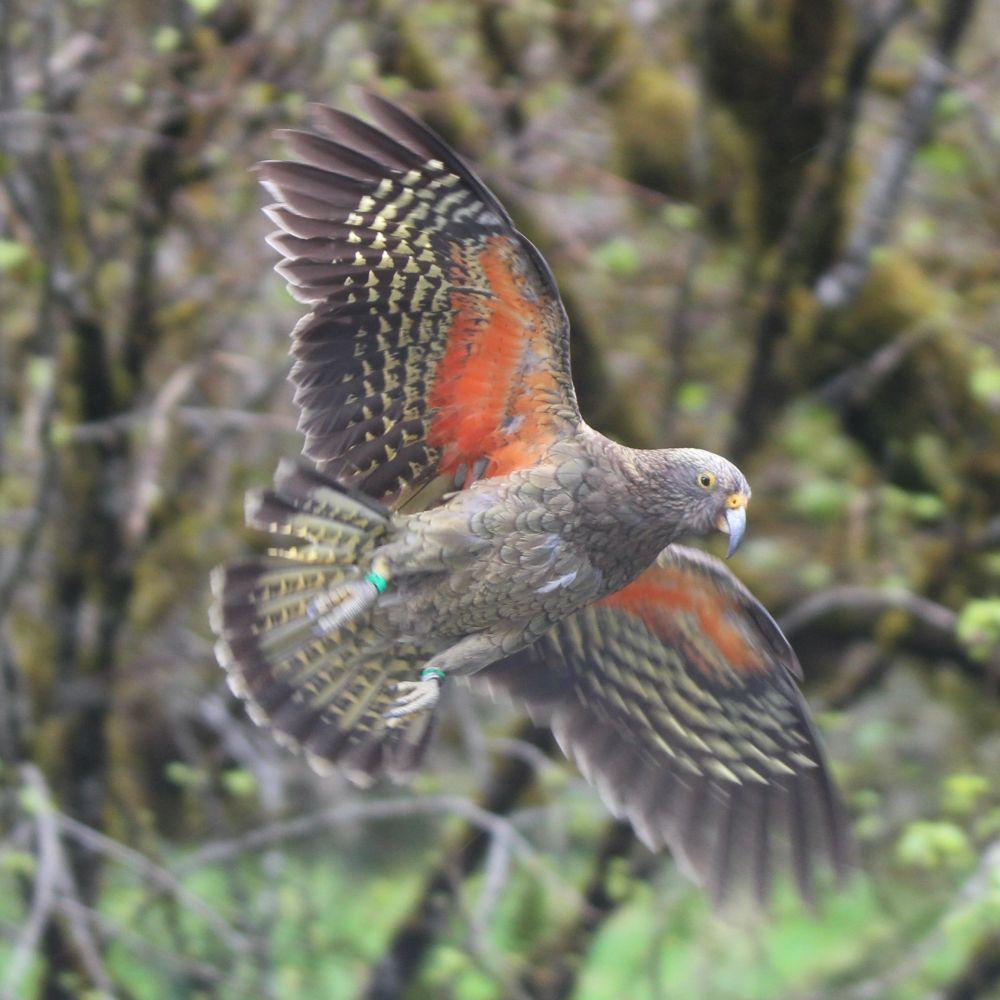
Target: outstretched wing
(437,346)
(677,698)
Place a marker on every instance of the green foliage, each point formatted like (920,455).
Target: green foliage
(692,397)
(166,39)
(12,255)
(979,627)
(678,215)
(239,782)
(185,776)
(18,863)
(820,499)
(933,844)
(944,159)
(962,792)
(927,507)
(619,255)
(984,384)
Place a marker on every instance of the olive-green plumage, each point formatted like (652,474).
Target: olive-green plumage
(464,520)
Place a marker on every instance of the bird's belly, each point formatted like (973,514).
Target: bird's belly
(512,586)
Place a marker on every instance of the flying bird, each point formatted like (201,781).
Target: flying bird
(459,517)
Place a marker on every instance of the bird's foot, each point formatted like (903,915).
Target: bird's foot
(417,696)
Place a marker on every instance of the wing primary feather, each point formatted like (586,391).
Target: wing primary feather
(330,155)
(800,841)
(346,128)
(326,187)
(720,875)
(405,127)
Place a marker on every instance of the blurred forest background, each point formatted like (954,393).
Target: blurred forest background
(776,226)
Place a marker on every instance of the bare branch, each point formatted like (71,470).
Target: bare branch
(145,490)
(521,750)
(47,878)
(842,281)
(496,871)
(369,810)
(856,385)
(153,873)
(79,931)
(871,601)
(111,930)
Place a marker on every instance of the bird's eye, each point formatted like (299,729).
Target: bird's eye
(706,480)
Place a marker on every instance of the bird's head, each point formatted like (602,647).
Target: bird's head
(713,493)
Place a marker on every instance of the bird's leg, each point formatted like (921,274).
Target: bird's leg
(466,656)
(347,601)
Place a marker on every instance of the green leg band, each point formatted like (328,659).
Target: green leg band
(429,672)
(378,580)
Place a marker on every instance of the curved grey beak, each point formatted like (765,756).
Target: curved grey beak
(736,526)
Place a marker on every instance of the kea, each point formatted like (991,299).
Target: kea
(459,518)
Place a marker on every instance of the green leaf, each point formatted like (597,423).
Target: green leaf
(984,383)
(927,506)
(680,216)
(39,373)
(17,863)
(185,776)
(961,792)
(620,256)
(820,499)
(166,39)
(692,397)
(978,627)
(934,844)
(12,254)
(951,104)
(133,94)
(32,801)
(943,159)
(240,783)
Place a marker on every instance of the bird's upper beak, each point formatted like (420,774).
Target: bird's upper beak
(733,520)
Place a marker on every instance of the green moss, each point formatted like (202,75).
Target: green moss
(896,295)
(653,123)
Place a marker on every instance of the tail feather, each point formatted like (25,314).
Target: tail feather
(338,524)
(305,660)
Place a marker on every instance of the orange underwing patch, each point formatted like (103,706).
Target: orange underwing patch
(492,380)
(660,595)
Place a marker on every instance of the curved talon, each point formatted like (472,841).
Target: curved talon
(416,696)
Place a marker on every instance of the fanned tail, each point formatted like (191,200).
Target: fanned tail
(295,630)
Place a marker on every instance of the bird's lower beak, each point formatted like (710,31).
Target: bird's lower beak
(733,521)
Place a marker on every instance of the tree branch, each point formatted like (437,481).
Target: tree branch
(841,283)
(47,877)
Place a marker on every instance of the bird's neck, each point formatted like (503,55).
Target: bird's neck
(650,475)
